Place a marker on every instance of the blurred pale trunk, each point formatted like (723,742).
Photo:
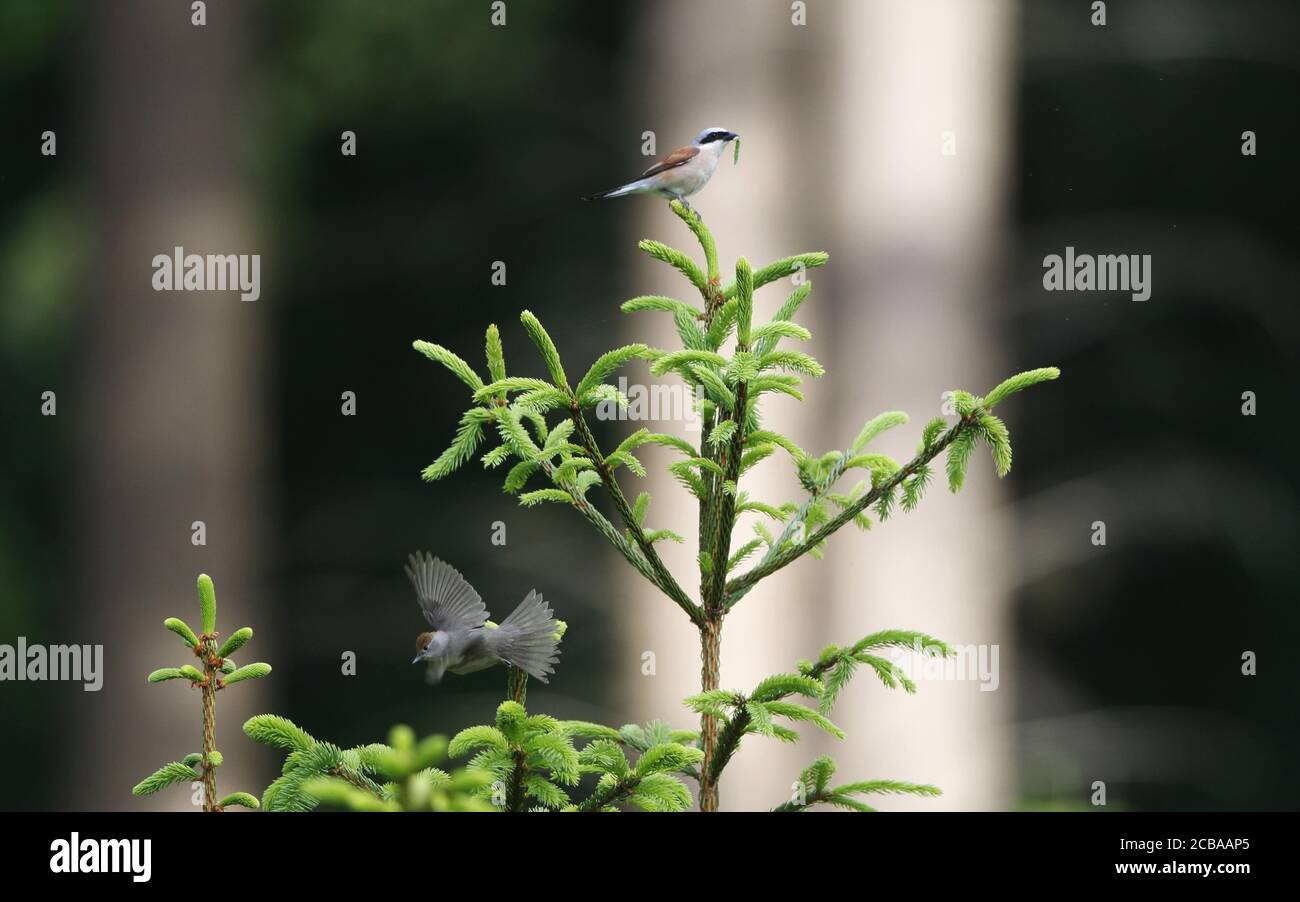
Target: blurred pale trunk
(841,122)
(171,399)
(924,231)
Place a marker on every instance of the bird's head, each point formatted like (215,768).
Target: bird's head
(710,135)
(430,645)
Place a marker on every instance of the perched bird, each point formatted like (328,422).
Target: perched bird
(460,641)
(683,172)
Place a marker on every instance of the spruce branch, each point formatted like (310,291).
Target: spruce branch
(679,261)
(496,356)
(529,757)
(317,773)
(974,423)
(182,629)
(607,529)
(165,776)
(546,346)
(242,799)
(1019,382)
(236,641)
(507,418)
(814,789)
(743,714)
(783,555)
(609,792)
(657,302)
(280,732)
(166,673)
(661,576)
(780,269)
(452,362)
(696,224)
(650,784)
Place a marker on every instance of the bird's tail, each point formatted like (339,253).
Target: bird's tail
(630,188)
(526,639)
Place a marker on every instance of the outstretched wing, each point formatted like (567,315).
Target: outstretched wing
(448,601)
(677,158)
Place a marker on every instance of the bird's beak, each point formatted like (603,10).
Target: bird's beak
(417,659)
(731,136)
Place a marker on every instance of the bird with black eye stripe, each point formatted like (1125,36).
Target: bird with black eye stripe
(682,173)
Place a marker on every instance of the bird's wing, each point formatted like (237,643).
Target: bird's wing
(677,158)
(448,601)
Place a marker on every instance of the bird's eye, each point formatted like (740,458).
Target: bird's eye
(422,641)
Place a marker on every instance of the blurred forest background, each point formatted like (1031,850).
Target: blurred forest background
(1120,663)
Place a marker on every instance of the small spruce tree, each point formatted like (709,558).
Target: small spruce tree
(536,762)
(218,671)
(541,429)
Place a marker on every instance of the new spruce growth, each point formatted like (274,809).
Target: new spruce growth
(813,788)
(533,764)
(400,775)
(539,427)
(217,670)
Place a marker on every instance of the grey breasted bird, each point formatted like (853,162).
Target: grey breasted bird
(683,172)
(459,641)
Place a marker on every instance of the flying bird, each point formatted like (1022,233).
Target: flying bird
(460,640)
(683,172)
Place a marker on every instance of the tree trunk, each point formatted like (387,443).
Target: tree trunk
(170,400)
(710,657)
(919,233)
